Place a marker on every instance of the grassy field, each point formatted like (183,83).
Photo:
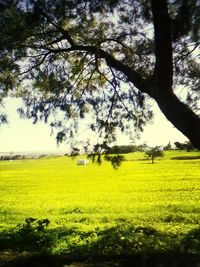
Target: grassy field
(100,210)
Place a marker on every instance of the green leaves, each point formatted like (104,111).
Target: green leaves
(52,76)
(75,58)
(185,19)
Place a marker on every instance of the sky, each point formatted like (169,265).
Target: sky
(21,135)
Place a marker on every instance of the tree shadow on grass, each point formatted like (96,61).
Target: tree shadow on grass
(149,260)
(30,236)
(30,245)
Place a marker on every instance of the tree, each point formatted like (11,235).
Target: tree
(184,146)
(168,146)
(104,58)
(179,145)
(154,153)
(75,152)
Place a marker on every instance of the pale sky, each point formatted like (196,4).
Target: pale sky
(20,135)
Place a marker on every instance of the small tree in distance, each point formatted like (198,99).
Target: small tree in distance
(75,152)
(154,153)
(168,147)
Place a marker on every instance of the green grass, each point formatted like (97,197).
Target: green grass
(90,200)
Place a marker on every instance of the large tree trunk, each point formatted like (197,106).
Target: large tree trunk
(160,85)
(181,116)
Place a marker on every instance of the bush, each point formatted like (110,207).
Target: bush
(121,149)
(186,157)
(30,236)
(191,242)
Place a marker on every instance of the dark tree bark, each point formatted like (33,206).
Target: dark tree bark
(179,114)
(160,85)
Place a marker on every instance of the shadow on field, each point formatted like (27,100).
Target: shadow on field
(31,245)
(158,260)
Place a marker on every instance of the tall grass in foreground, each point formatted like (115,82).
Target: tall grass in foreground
(95,209)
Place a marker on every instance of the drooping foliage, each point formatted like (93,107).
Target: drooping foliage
(99,61)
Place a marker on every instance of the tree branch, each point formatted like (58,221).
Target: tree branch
(115,40)
(60,29)
(34,66)
(112,62)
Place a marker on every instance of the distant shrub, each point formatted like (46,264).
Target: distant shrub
(168,147)
(75,152)
(185,157)
(124,149)
(42,156)
(184,146)
(12,157)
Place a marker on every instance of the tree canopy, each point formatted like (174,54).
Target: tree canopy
(153,153)
(104,60)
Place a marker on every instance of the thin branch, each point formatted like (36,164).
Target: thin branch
(34,66)
(83,69)
(191,51)
(111,61)
(114,87)
(111,107)
(50,20)
(56,41)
